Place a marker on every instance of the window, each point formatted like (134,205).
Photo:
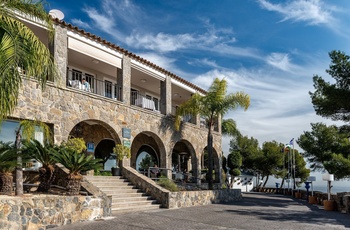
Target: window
(156,103)
(134,95)
(108,89)
(155,100)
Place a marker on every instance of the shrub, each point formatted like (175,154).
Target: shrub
(168,184)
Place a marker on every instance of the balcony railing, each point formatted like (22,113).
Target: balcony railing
(144,101)
(104,88)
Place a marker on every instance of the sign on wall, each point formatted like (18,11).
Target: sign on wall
(126,132)
(90,147)
(126,143)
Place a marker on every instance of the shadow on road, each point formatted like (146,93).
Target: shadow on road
(281,208)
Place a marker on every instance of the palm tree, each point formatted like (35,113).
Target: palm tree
(229,128)
(75,162)
(44,155)
(8,164)
(27,129)
(210,107)
(21,49)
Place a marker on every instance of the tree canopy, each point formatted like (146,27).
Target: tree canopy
(331,100)
(326,149)
(21,51)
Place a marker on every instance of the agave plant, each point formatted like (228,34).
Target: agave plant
(8,162)
(75,162)
(44,155)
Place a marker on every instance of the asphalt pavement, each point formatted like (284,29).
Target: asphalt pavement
(254,211)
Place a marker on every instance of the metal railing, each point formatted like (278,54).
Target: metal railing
(144,101)
(100,87)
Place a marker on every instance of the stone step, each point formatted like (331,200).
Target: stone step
(135,204)
(125,196)
(116,211)
(130,194)
(131,199)
(120,191)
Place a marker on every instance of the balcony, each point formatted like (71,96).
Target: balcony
(99,87)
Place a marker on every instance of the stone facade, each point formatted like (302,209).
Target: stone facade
(64,108)
(47,211)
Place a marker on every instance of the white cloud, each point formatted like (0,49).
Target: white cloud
(160,60)
(81,24)
(314,12)
(203,62)
(160,42)
(280,61)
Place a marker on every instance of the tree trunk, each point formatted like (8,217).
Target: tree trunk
(46,178)
(267,178)
(210,158)
(19,170)
(6,186)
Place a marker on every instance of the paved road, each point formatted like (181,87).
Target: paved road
(254,211)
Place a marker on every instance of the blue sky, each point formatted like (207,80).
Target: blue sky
(269,49)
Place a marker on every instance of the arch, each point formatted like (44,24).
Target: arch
(216,163)
(103,151)
(184,159)
(98,134)
(94,129)
(150,143)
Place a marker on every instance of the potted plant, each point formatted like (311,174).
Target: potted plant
(75,162)
(8,162)
(44,155)
(120,151)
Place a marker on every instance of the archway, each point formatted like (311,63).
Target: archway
(148,149)
(216,164)
(104,151)
(99,137)
(184,161)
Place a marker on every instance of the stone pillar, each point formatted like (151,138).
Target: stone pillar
(59,47)
(219,123)
(125,81)
(165,96)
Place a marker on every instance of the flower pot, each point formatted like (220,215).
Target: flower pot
(328,205)
(116,171)
(6,183)
(312,200)
(73,185)
(297,195)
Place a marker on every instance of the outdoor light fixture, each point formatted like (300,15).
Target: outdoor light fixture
(95,61)
(143,80)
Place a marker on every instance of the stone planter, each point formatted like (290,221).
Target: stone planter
(73,185)
(328,205)
(6,183)
(312,200)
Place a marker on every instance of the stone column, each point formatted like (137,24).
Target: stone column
(219,123)
(165,96)
(125,81)
(59,48)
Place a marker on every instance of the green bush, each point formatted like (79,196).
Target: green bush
(168,184)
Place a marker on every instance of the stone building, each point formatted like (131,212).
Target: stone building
(130,101)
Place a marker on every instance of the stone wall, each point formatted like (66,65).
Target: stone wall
(180,199)
(46,211)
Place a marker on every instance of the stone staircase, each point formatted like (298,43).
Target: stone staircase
(125,197)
